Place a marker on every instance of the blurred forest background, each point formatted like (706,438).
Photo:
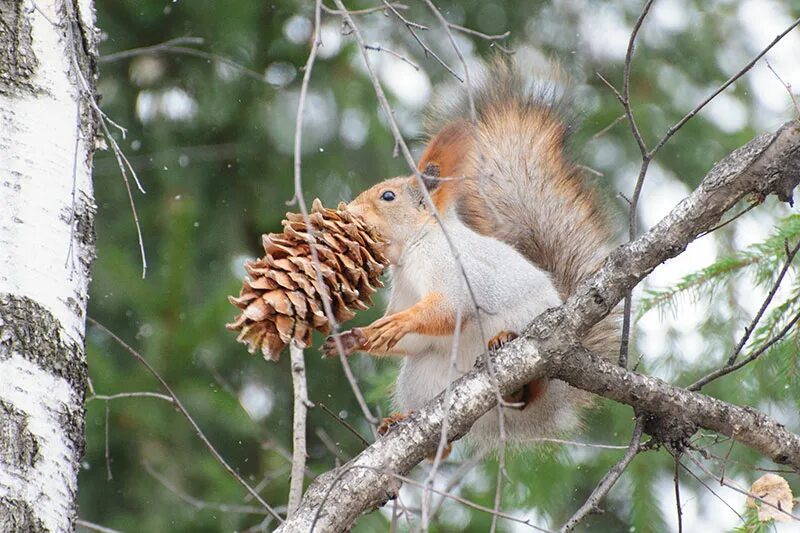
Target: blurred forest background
(210,121)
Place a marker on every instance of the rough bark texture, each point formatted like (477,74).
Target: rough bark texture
(770,164)
(47,131)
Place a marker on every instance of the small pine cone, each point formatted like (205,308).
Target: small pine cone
(282,299)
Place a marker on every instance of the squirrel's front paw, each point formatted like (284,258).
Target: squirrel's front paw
(349,342)
(385,333)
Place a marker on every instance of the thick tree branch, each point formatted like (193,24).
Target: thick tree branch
(769,164)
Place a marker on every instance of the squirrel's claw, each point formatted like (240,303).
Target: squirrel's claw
(385,334)
(501,338)
(388,423)
(349,341)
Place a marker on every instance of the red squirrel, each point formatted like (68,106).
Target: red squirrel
(526,229)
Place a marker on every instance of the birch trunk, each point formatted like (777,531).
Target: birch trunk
(47,132)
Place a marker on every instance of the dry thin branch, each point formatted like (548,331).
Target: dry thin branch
(379,48)
(678,125)
(648,155)
(732,486)
(677,480)
(613,122)
(731,219)
(343,422)
(155,48)
(298,197)
(608,481)
(788,87)
(197,503)
(106,451)
(748,331)
(633,204)
(366,11)
(768,164)
(501,474)
(440,449)
(712,491)
(179,406)
(301,406)
(728,368)
(485,36)
(414,482)
(180,46)
(626,78)
(411,27)
(104,120)
(91,526)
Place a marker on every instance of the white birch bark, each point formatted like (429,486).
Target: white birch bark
(47,130)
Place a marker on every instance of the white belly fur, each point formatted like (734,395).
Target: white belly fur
(426,374)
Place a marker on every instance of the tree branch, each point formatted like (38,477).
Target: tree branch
(769,164)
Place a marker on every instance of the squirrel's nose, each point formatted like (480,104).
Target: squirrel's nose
(356,209)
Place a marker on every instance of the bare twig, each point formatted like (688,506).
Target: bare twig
(677,480)
(411,27)
(197,503)
(180,46)
(748,331)
(298,198)
(301,405)
(731,219)
(625,98)
(379,48)
(738,489)
(728,368)
(626,79)
(345,423)
(491,38)
(414,482)
(788,87)
(678,125)
(121,395)
(613,122)
(91,526)
(366,11)
(712,491)
(109,477)
(179,406)
(155,48)
(608,480)
(440,449)
(104,120)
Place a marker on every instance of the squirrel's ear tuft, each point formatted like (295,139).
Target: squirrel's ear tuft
(447,151)
(431,175)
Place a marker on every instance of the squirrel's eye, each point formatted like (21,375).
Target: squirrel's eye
(387,196)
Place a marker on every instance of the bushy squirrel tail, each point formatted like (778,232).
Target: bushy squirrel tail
(511,175)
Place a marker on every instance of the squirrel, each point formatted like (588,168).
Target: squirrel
(517,229)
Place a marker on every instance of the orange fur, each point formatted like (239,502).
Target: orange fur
(532,390)
(426,317)
(448,150)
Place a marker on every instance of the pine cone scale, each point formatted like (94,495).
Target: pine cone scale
(282,299)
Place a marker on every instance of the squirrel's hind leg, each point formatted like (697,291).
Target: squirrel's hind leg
(504,337)
(529,392)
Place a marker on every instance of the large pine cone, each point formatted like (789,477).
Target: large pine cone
(282,301)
